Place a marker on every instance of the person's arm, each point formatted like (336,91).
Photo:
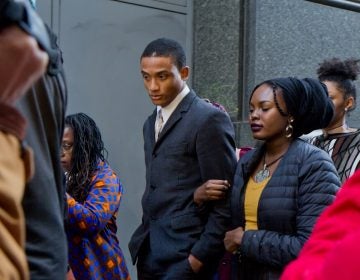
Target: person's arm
(216,155)
(318,184)
(22,63)
(216,189)
(101,204)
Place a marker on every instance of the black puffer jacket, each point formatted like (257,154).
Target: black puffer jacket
(304,183)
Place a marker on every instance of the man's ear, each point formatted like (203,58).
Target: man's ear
(184,73)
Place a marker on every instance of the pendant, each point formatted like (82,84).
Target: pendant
(262,174)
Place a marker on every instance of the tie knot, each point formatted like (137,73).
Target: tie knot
(160,116)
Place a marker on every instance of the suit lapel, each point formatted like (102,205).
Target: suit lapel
(152,128)
(176,116)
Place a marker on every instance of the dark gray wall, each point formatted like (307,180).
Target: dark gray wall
(251,41)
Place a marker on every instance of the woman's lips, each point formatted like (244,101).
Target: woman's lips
(255,127)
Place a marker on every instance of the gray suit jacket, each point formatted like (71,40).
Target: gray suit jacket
(195,145)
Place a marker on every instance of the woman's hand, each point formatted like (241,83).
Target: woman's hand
(211,190)
(233,239)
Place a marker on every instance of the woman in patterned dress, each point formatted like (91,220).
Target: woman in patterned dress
(338,139)
(93,199)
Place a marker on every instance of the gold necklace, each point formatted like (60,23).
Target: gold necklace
(264,173)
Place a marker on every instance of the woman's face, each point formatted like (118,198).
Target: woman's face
(265,120)
(339,101)
(67,148)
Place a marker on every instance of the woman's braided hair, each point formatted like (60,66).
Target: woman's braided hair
(88,149)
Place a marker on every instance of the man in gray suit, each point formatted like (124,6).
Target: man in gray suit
(187,142)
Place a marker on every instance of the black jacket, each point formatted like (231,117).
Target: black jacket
(304,183)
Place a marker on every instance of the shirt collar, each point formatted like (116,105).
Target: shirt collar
(169,109)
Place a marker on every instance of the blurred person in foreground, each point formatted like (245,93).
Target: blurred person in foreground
(22,62)
(332,251)
(44,107)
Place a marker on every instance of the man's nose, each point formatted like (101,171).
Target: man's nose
(153,85)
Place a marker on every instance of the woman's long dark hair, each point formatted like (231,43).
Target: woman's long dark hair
(88,149)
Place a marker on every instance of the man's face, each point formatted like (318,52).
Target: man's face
(162,79)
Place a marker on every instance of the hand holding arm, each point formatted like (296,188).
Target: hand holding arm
(211,190)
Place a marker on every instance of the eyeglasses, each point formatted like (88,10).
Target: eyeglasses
(66,147)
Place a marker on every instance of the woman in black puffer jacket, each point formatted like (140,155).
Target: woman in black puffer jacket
(281,187)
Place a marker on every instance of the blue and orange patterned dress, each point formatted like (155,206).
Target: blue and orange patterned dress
(94,251)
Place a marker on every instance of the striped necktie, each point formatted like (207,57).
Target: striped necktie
(158,124)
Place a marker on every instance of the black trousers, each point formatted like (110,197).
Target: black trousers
(149,270)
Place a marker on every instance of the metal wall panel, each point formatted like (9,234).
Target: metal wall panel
(170,5)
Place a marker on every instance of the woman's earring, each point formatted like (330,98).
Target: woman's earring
(289,128)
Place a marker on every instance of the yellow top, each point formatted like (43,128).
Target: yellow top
(252,196)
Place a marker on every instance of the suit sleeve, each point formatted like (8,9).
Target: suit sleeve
(318,184)
(217,160)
